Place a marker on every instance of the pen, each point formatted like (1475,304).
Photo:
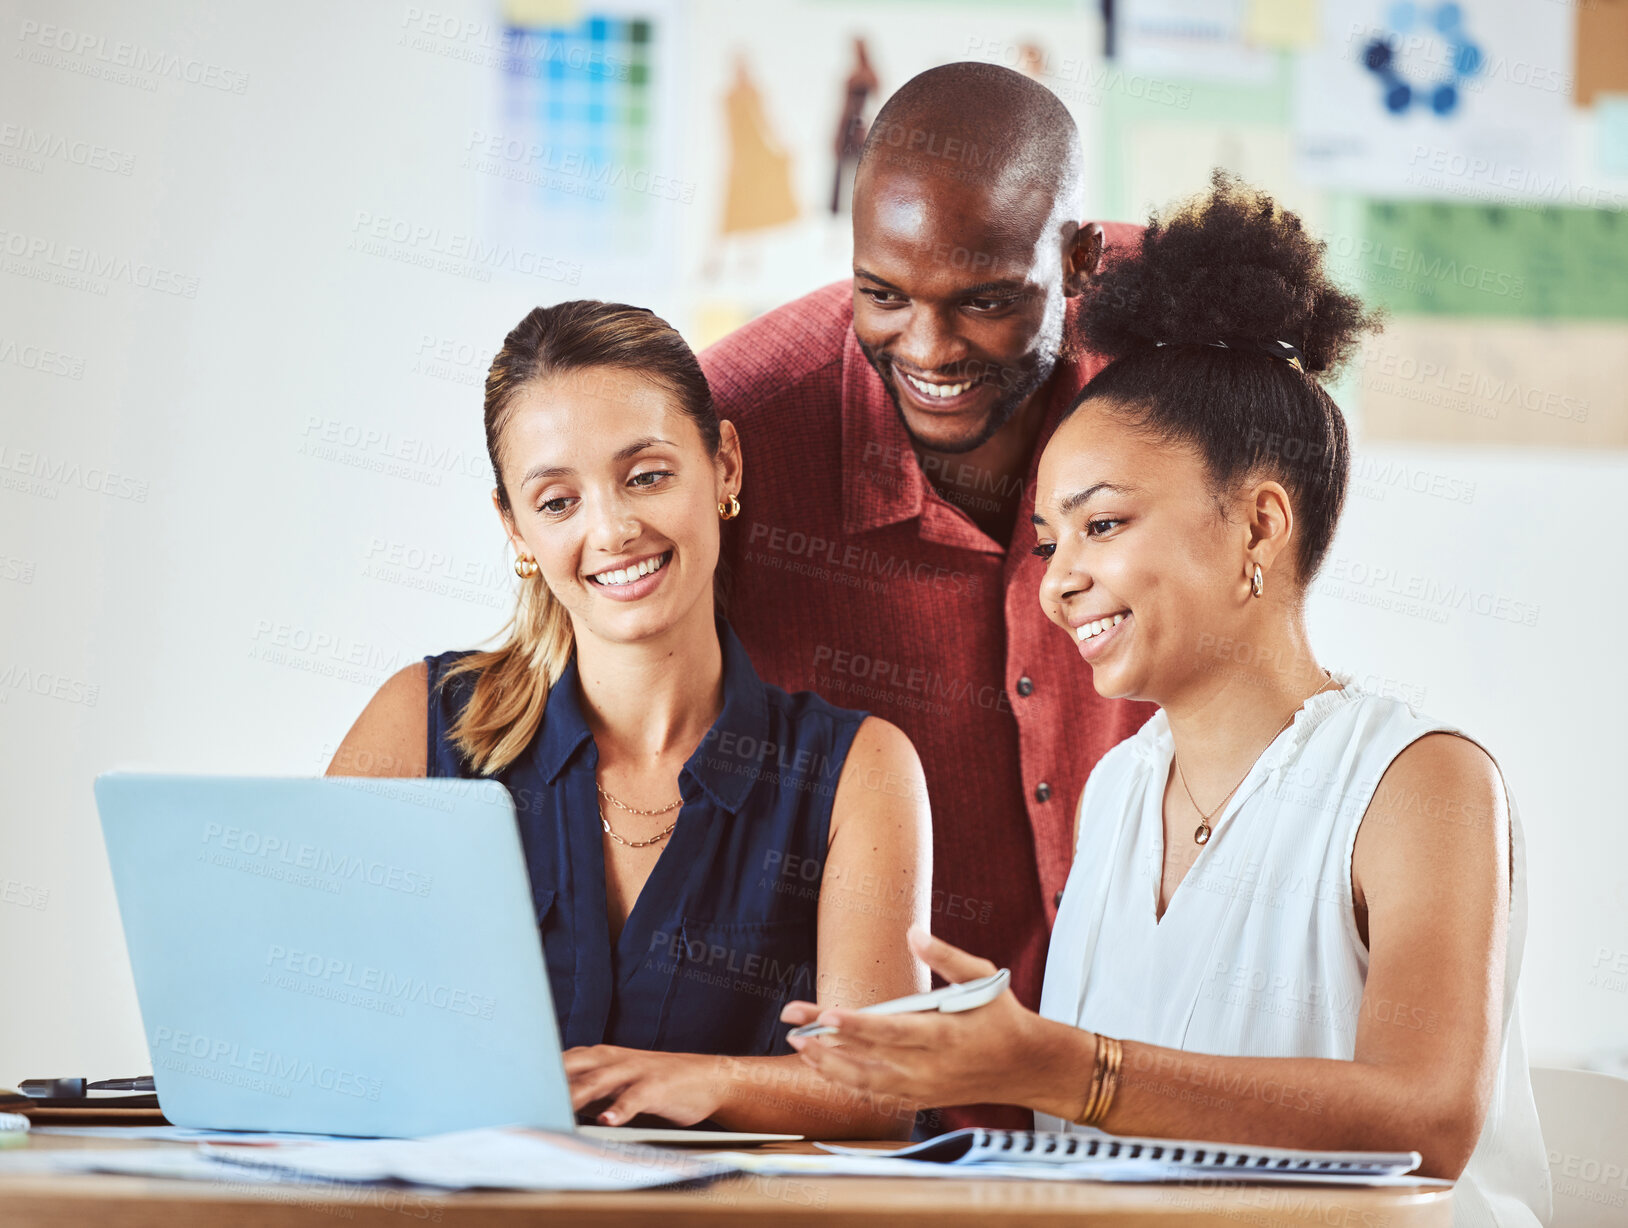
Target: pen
(70,1089)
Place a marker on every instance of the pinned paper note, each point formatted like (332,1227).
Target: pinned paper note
(1611,133)
(541,12)
(1507,382)
(1602,49)
(1165,162)
(852,124)
(1282,23)
(758,190)
(1202,39)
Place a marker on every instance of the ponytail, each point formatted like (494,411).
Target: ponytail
(514,680)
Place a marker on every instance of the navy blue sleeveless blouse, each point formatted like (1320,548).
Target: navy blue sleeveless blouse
(723,933)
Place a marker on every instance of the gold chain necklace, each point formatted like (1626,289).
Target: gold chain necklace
(1202,834)
(630,809)
(635,844)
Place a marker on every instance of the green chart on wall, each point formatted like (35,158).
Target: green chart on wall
(1437,258)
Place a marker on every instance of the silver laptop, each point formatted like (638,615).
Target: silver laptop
(338,956)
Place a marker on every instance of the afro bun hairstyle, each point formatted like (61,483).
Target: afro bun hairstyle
(1230,266)
(1192,322)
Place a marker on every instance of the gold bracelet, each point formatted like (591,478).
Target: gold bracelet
(1110,1081)
(1095,1092)
(1095,1089)
(1104,1081)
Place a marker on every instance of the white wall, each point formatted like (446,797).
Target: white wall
(1531,542)
(300,504)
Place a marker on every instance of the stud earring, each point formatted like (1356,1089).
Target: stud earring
(1257,582)
(730,510)
(525,567)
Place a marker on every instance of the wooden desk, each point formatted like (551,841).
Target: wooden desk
(788,1202)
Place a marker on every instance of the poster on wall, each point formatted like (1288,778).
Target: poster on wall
(1165,162)
(1438,99)
(1433,258)
(1511,382)
(1602,50)
(581,155)
(1209,40)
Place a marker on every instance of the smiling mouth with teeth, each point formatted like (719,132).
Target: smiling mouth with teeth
(1093,629)
(938,390)
(627,575)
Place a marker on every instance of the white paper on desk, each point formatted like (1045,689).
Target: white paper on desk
(778,1164)
(183,1163)
(191,1134)
(504,1158)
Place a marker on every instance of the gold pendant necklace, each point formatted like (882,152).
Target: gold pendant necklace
(1202,834)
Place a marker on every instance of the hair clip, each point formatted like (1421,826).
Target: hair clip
(1272,349)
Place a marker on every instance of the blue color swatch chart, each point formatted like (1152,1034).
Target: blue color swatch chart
(577,102)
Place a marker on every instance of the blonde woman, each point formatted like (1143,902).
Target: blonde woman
(703,847)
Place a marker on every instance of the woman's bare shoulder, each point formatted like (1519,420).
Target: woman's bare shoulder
(391,736)
(1439,814)
(882,778)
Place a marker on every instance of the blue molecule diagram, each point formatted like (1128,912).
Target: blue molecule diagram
(1431,36)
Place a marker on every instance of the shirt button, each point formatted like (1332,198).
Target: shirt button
(1042,792)
(1057,900)
(1025,686)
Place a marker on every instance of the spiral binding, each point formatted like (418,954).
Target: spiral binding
(1060,1146)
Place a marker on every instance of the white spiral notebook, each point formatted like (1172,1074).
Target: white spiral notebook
(1109,1157)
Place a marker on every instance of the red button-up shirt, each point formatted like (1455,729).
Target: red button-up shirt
(850,575)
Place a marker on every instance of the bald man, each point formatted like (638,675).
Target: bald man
(891,428)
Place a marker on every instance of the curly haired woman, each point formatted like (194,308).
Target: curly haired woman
(1297,908)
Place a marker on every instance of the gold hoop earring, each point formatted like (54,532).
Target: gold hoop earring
(1257,582)
(730,510)
(525,567)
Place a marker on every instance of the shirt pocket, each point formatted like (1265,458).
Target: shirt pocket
(728,983)
(559,955)
(544,899)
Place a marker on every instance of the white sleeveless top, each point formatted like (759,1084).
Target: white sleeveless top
(1257,954)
